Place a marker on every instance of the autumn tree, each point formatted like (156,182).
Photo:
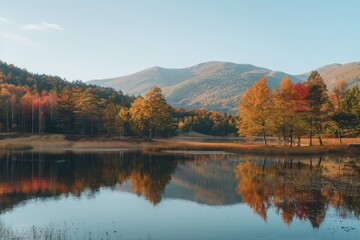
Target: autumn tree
(66,110)
(318,104)
(150,115)
(301,110)
(351,107)
(256,110)
(88,109)
(284,106)
(5,106)
(339,116)
(123,121)
(157,111)
(139,121)
(110,113)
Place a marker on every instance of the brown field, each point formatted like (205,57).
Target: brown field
(58,142)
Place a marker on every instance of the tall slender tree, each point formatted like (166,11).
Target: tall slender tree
(318,103)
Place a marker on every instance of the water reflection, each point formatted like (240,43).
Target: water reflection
(296,188)
(301,188)
(28,175)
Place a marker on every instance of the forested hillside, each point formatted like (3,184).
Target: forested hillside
(33,103)
(41,103)
(212,85)
(219,85)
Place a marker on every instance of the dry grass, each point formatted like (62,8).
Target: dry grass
(246,148)
(331,141)
(58,142)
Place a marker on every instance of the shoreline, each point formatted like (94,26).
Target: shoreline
(60,142)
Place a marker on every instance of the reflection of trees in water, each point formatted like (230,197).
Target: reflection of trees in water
(24,176)
(301,189)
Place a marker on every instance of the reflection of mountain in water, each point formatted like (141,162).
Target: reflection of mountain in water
(300,189)
(209,182)
(29,175)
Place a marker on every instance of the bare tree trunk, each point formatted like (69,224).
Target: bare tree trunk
(283,132)
(264,137)
(32,114)
(51,112)
(299,141)
(92,127)
(22,121)
(311,132)
(40,116)
(318,166)
(12,115)
(264,164)
(7,119)
(339,136)
(320,140)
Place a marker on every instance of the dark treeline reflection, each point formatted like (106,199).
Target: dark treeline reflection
(23,176)
(301,188)
(205,179)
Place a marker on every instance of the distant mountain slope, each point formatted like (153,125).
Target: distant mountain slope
(332,73)
(214,85)
(218,85)
(349,72)
(140,82)
(222,88)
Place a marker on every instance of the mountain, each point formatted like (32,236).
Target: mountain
(213,85)
(332,73)
(349,72)
(141,82)
(218,85)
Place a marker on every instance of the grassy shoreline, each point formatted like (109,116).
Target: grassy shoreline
(58,142)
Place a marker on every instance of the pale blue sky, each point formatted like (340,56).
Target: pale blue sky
(100,39)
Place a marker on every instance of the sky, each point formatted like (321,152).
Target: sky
(89,39)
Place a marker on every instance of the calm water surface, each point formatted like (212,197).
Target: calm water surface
(137,195)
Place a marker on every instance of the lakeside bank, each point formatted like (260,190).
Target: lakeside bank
(59,142)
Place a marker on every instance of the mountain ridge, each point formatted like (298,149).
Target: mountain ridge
(217,85)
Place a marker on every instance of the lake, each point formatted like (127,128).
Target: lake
(178,195)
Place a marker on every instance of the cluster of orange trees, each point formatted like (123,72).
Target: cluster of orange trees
(151,116)
(147,116)
(295,110)
(33,103)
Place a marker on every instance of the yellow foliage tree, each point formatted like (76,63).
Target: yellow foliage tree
(156,110)
(284,107)
(150,114)
(138,118)
(256,110)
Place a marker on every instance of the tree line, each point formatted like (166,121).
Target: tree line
(292,111)
(33,103)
